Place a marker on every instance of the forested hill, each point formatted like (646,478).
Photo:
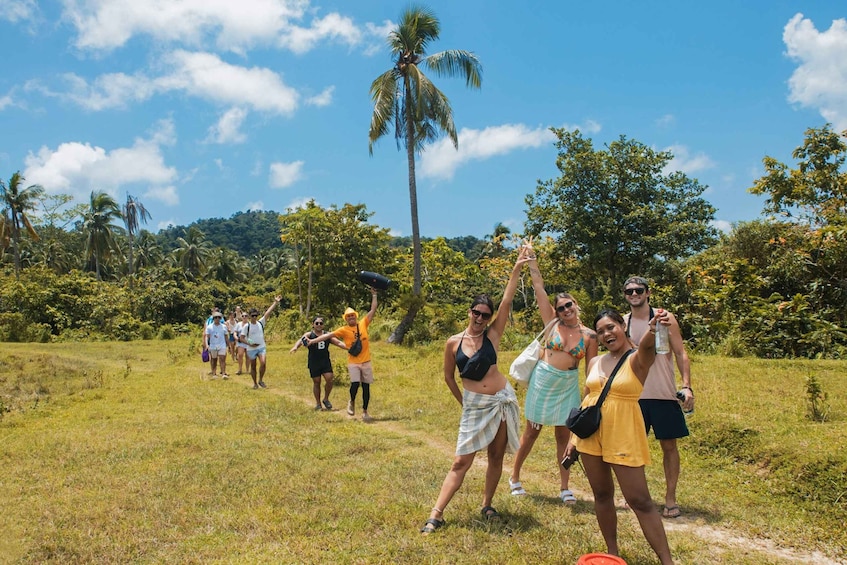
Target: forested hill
(247,233)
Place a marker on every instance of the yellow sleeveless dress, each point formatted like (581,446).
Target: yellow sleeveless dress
(622,438)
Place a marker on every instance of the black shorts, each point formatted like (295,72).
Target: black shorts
(665,417)
(319,369)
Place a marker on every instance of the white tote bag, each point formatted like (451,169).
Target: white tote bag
(523,365)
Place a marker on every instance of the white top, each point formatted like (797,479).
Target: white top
(217,336)
(254,333)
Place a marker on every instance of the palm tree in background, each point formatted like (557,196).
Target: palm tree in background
(407,101)
(148,251)
(192,252)
(134,214)
(17,202)
(99,229)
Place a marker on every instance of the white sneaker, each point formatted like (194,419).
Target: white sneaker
(350,410)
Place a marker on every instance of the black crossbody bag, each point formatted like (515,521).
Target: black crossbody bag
(585,421)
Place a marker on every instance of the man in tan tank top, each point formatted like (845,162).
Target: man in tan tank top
(659,406)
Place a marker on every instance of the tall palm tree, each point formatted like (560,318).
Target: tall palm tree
(405,99)
(134,214)
(99,229)
(17,202)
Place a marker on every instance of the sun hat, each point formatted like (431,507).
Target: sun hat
(350,311)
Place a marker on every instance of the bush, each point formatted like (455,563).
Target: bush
(166,332)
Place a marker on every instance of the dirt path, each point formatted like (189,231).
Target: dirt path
(723,540)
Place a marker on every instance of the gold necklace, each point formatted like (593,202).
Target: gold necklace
(472,335)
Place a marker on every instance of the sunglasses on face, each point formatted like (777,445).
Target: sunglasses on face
(564,306)
(630,291)
(319,323)
(483,315)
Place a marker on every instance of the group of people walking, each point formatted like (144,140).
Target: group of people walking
(243,337)
(641,396)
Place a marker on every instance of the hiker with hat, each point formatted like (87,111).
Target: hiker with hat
(214,340)
(253,336)
(358,357)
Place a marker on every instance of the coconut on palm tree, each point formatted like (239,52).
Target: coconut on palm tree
(17,202)
(407,101)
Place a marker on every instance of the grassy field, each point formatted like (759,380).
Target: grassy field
(126,452)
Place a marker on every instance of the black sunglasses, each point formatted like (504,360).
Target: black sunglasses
(630,291)
(319,323)
(483,315)
(564,306)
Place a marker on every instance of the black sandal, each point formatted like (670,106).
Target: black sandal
(489,513)
(431,525)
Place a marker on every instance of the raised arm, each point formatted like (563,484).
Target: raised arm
(544,306)
(502,317)
(643,358)
(271,307)
(372,312)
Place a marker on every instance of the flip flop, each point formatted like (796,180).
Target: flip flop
(431,525)
(671,512)
(490,514)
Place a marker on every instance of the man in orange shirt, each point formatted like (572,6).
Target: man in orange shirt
(358,365)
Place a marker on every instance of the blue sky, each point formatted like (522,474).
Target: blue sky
(203,108)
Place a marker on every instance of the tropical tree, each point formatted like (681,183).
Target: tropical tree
(406,100)
(192,253)
(618,212)
(817,189)
(17,202)
(99,229)
(148,251)
(134,214)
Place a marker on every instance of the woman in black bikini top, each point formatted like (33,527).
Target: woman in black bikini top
(476,366)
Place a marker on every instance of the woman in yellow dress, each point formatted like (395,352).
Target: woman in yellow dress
(620,444)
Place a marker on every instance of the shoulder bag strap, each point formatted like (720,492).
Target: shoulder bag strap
(547,328)
(612,376)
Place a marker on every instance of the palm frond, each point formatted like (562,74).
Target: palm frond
(457,63)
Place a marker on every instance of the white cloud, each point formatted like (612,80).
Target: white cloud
(78,168)
(256,206)
(322,99)
(206,76)
(202,75)
(722,225)
(5,101)
(300,203)
(685,162)
(666,121)
(283,175)
(441,159)
(17,10)
(165,224)
(165,194)
(230,26)
(820,80)
(379,36)
(228,128)
(332,26)
(106,24)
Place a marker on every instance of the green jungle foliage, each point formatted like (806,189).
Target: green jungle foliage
(773,287)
